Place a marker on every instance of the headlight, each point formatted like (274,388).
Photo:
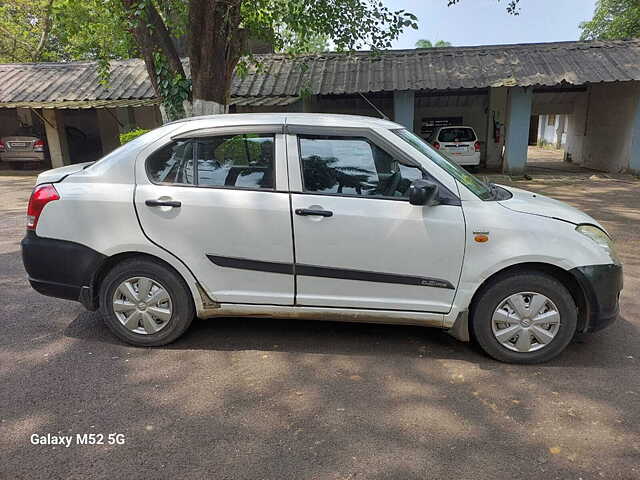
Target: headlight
(600,237)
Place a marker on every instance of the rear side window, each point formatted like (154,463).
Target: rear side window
(241,161)
(172,164)
(244,161)
(457,135)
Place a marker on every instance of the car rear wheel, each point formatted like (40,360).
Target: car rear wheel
(524,318)
(145,303)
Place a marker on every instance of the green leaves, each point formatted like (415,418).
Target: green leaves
(130,135)
(174,89)
(612,20)
(422,43)
(513,6)
(346,24)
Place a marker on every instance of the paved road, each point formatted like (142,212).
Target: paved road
(249,399)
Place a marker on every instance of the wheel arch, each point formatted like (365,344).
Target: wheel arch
(563,276)
(91,298)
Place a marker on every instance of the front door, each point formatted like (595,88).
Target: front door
(214,203)
(358,241)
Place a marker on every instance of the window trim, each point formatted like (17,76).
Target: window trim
(219,133)
(402,157)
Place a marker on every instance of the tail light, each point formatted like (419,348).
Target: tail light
(38,146)
(41,195)
(2,146)
(477,146)
(436,145)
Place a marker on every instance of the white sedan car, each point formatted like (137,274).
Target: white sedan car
(460,144)
(311,216)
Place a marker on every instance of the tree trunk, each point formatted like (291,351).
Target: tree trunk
(151,40)
(44,37)
(215,44)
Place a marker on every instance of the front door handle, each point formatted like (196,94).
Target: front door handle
(311,211)
(163,203)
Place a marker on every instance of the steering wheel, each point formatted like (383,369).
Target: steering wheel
(394,182)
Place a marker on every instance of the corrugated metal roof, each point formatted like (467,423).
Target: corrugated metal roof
(75,104)
(279,79)
(73,82)
(453,68)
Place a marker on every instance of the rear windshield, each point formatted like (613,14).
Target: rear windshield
(457,135)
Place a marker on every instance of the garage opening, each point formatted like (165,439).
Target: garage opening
(82,132)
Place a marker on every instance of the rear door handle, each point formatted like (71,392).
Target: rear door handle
(163,203)
(311,211)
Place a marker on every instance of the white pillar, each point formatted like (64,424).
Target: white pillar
(560,127)
(56,137)
(634,161)
(404,107)
(517,137)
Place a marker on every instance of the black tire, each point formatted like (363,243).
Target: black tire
(489,299)
(181,302)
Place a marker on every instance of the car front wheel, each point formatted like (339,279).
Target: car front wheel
(524,318)
(145,304)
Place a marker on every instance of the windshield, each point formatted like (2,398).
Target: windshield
(473,183)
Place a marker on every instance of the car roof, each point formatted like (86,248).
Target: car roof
(456,126)
(315,119)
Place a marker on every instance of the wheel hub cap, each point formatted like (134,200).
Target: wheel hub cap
(525,322)
(142,305)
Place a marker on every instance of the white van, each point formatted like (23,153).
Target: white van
(311,216)
(459,143)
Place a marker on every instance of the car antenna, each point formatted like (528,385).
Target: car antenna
(374,107)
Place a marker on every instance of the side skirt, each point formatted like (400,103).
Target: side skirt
(356,315)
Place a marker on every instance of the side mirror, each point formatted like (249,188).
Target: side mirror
(422,192)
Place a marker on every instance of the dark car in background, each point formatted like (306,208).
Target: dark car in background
(22,149)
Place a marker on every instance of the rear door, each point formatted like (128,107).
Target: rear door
(218,202)
(358,241)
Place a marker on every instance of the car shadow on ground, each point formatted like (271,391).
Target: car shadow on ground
(355,339)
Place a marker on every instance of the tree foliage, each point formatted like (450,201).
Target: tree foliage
(513,6)
(423,43)
(62,30)
(214,34)
(217,34)
(613,20)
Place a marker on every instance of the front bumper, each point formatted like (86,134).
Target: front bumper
(601,285)
(60,268)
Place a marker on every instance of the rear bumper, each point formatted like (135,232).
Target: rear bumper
(22,156)
(602,285)
(59,268)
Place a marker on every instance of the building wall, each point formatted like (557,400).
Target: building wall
(600,132)
(351,105)
(147,117)
(576,130)
(8,121)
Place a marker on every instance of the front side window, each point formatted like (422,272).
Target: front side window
(240,161)
(352,166)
